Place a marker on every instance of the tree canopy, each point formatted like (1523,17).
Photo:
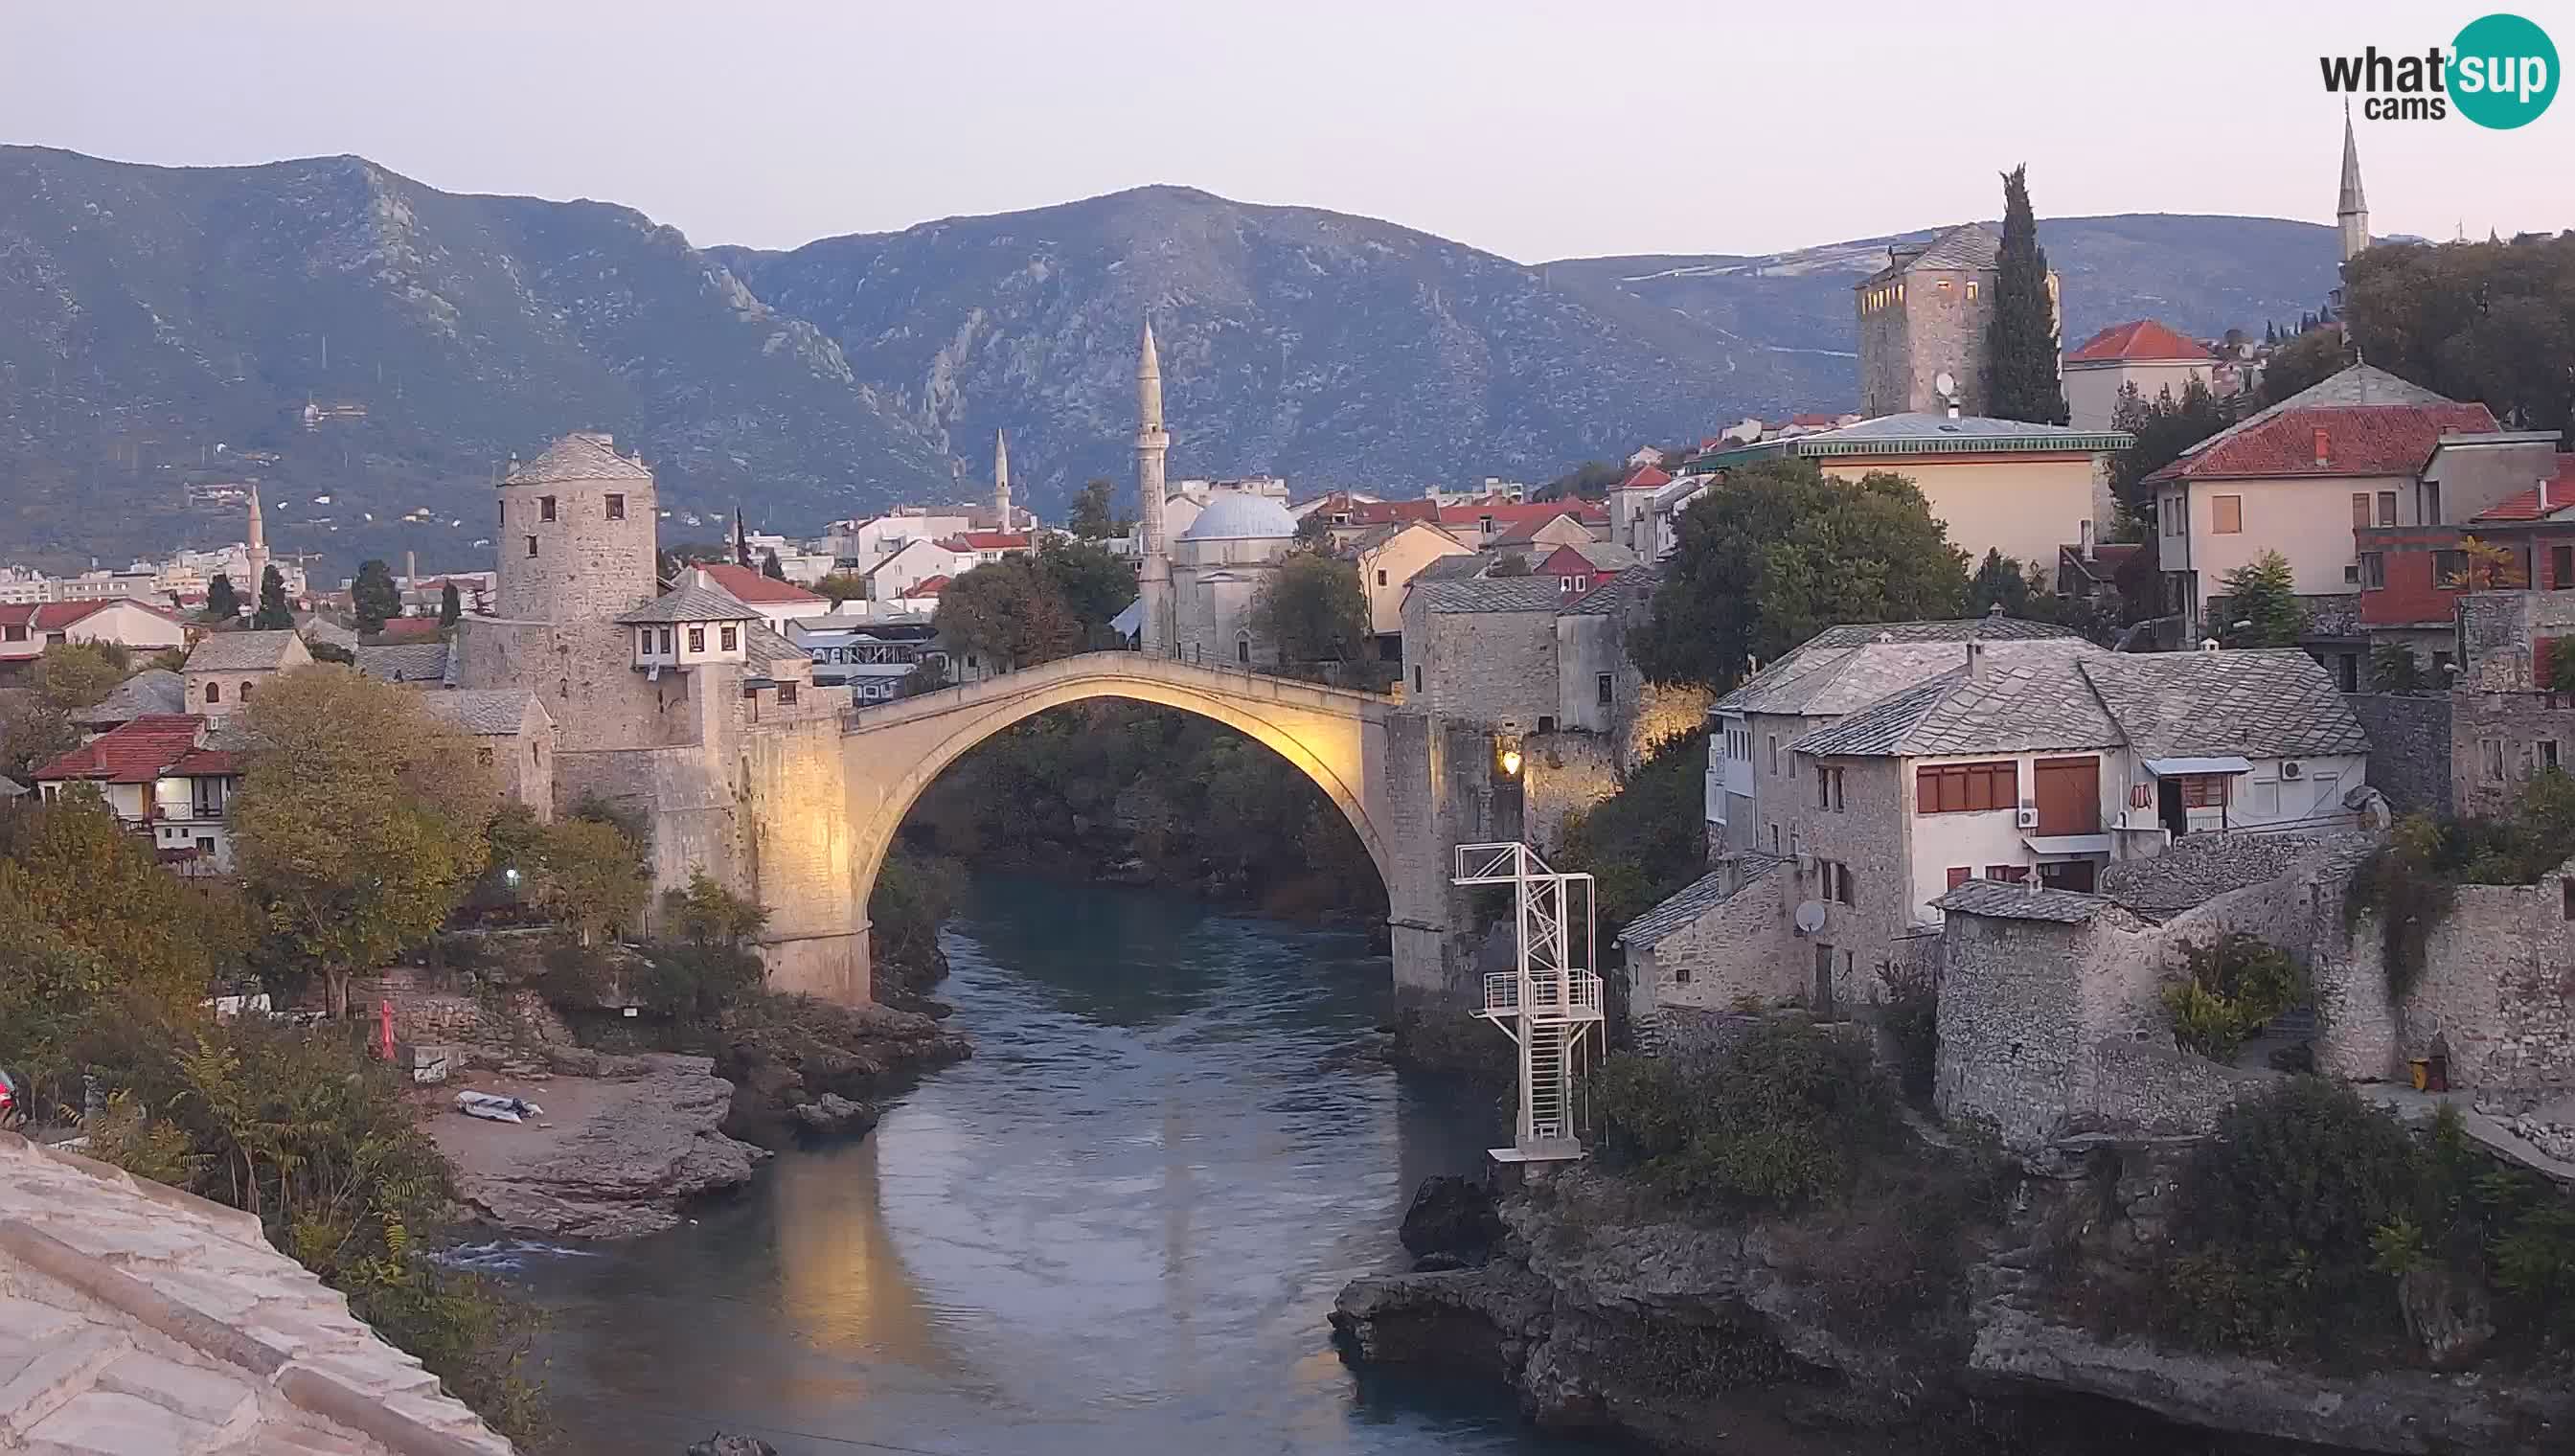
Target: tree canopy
(359,821)
(2021,379)
(273,614)
(2262,606)
(2302,363)
(1095,586)
(1312,611)
(2164,428)
(223,604)
(2491,321)
(451,605)
(1011,612)
(374,595)
(843,586)
(1093,519)
(771,568)
(1778,550)
(72,675)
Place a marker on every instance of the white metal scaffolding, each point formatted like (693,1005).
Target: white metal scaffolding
(1549,1003)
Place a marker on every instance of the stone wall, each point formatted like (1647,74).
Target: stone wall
(434,1011)
(681,793)
(585,566)
(1481,666)
(1739,952)
(2409,748)
(2498,739)
(2496,632)
(1562,774)
(2496,995)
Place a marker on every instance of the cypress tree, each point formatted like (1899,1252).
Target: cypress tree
(272,614)
(374,595)
(2021,380)
(222,602)
(450,605)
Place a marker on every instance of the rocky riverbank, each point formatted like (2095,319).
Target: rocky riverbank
(1607,1316)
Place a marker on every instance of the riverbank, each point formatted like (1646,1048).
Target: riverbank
(1607,1313)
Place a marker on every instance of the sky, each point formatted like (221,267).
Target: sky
(1533,130)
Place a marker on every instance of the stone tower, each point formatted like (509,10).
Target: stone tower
(578,535)
(256,552)
(1152,443)
(2351,213)
(1000,480)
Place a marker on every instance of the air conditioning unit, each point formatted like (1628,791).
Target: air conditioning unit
(2027,817)
(2289,768)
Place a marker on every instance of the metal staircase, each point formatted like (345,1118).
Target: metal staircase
(1549,1003)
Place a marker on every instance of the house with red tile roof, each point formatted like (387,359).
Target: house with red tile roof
(779,602)
(28,627)
(162,777)
(2143,353)
(2510,490)
(2301,478)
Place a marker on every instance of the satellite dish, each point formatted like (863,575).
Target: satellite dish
(1946,384)
(1810,918)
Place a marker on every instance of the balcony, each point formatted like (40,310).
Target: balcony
(1554,999)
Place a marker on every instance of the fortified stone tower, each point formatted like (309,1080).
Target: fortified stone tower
(578,535)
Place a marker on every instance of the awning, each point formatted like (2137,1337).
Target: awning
(2046,844)
(2176,767)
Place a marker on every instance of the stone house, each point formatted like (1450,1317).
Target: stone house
(514,739)
(1925,315)
(2508,489)
(226,667)
(2306,478)
(410,663)
(1389,558)
(152,690)
(2143,353)
(169,776)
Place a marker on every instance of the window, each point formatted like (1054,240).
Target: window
(1604,688)
(2204,791)
(787,695)
(2441,669)
(1381,576)
(2561,568)
(1971,288)
(730,638)
(1843,890)
(2491,759)
(1966,787)
(205,844)
(1823,787)
(531,546)
(2566,896)
(1774,838)
(214,693)
(2226,515)
(1416,679)
(1944,285)
(2449,567)
(2546,748)
(1775,755)
(2009,873)
(697,638)
(616,508)
(2373,571)
(1242,651)
(1546,722)
(545,508)
(245,689)
(2360,510)
(1960,874)
(2431,502)
(667,650)
(2387,508)
(1485,523)
(1837,791)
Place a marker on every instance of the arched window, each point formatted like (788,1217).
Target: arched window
(245,690)
(214,693)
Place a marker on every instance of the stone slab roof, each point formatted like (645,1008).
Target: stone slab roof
(152,690)
(411,661)
(2274,702)
(581,455)
(1490,594)
(484,712)
(763,644)
(1996,900)
(137,1318)
(688,604)
(2196,869)
(241,652)
(1968,246)
(1844,668)
(1695,899)
(2028,700)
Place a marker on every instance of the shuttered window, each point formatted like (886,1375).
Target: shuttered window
(1966,787)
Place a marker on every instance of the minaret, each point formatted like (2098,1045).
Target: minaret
(1152,442)
(257,551)
(2352,212)
(1000,480)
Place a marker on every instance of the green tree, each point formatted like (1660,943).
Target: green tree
(1010,612)
(373,594)
(33,732)
(72,675)
(2393,667)
(1313,610)
(2001,582)
(1778,550)
(450,605)
(2164,428)
(1093,584)
(1091,517)
(705,961)
(273,614)
(2302,363)
(2021,380)
(2262,606)
(843,586)
(1589,481)
(769,567)
(2491,321)
(360,821)
(589,876)
(1315,532)
(223,604)
(1648,841)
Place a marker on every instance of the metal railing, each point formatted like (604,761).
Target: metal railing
(1551,997)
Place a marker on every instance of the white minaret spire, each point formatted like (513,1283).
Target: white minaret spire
(1152,442)
(2352,212)
(257,551)
(1000,480)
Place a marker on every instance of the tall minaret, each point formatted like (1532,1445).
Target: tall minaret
(1000,480)
(1152,442)
(257,551)
(2352,212)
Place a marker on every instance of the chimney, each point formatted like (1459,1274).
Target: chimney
(2087,541)
(2325,449)
(1976,657)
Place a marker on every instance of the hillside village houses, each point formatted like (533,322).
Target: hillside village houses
(2141,354)
(169,776)
(27,629)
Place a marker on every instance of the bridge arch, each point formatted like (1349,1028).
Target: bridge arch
(891,753)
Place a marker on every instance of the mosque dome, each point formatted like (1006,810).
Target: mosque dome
(1236,515)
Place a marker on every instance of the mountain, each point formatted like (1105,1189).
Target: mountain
(162,328)
(158,324)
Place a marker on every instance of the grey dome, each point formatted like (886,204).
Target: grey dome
(1235,515)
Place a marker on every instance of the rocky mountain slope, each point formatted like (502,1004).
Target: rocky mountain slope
(161,327)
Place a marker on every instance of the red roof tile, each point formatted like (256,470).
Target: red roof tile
(928,586)
(2352,440)
(2143,340)
(2527,505)
(1387,513)
(408,628)
(750,587)
(1646,478)
(136,753)
(995,540)
(1533,513)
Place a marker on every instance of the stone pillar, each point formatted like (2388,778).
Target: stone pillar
(804,862)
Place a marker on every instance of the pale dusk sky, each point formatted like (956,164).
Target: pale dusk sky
(1537,131)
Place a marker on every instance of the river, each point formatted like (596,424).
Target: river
(1116,1229)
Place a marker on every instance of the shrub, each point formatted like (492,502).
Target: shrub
(2230,986)
(1911,1017)
(1783,1118)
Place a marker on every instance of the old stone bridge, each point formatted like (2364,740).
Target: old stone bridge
(826,809)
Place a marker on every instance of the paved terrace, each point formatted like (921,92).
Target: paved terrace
(137,1320)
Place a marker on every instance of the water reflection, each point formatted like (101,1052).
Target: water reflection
(1118,1227)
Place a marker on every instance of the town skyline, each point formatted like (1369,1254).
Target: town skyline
(1548,143)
